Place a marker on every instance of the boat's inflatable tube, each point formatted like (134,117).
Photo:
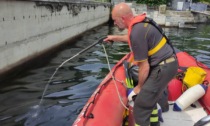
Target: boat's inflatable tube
(174,89)
(189,96)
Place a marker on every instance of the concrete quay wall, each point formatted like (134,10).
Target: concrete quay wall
(171,18)
(30,28)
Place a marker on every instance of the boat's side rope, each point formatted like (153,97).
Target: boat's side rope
(114,79)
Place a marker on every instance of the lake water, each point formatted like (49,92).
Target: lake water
(76,80)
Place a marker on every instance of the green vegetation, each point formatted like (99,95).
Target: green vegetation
(204,1)
(159,2)
(152,2)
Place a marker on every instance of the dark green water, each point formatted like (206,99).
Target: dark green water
(77,79)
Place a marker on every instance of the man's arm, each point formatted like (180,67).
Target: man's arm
(143,74)
(120,38)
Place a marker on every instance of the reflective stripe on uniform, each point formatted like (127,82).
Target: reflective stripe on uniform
(157,47)
(154,115)
(155,111)
(129,83)
(154,119)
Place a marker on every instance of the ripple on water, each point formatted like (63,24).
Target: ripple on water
(96,67)
(201,39)
(81,90)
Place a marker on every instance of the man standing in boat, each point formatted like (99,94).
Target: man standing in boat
(152,53)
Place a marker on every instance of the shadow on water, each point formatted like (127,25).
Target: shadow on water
(74,83)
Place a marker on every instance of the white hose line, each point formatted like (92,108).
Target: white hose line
(114,79)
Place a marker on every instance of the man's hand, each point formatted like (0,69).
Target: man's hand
(118,38)
(131,96)
(137,89)
(110,38)
(133,93)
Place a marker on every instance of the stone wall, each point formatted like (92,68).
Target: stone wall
(29,28)
(170,18)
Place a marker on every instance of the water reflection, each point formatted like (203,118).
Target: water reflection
(85,89)
(77,79)
(195,42)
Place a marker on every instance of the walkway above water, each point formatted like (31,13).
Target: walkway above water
(170,18)
(202,12)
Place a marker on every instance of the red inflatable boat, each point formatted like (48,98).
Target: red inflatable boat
(106,106)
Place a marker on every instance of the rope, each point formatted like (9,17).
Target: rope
(114,79)
(80,52)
